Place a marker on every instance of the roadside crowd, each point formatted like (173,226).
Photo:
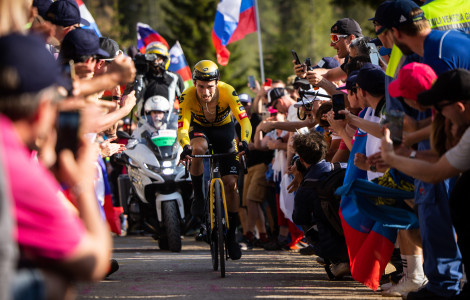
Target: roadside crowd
(390,126)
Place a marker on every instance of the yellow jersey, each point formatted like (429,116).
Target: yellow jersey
(191,111)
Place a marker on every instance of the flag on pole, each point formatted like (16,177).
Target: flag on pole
(179,65)
(146,35)
(85,14)
(234,19)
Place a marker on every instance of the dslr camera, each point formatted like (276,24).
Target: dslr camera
(143,62)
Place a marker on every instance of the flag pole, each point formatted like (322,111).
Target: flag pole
(260,46)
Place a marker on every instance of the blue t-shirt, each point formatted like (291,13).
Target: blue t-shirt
(447,50)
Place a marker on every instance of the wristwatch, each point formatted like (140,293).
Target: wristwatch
(413,154)
(373,168)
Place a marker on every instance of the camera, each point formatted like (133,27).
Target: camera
(144,62)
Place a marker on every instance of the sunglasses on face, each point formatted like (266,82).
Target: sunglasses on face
(336,37)
(440,106)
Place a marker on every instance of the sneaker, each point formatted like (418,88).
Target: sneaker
(404,286)
(202,235)
(309,250)
(424,294)
(114,266)
(246,243)
(340,269)
(234,251)
(320,260)
(275,245)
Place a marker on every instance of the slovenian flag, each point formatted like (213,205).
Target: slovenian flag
(85,14)
(370,244)
(146,35)
(234,19)
(179,65)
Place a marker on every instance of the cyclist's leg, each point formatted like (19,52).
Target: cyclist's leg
(199,145)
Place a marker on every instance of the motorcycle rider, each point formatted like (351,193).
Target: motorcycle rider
(158,80)
(155,116)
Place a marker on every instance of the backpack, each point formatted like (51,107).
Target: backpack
(325,188)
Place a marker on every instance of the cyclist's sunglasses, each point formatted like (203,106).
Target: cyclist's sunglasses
(335,37)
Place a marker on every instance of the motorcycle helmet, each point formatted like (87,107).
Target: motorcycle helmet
(206,70)
(156,103)
(161,51)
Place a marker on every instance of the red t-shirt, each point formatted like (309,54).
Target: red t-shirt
(45,227)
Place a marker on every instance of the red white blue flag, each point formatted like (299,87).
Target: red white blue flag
(85,14)
(179,65)
(146,35)
(234,19)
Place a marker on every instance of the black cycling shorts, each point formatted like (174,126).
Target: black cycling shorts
(223,140)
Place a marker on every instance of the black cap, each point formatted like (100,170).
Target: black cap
(274,94)
(30,65)
(65,13)
(453,86)
(399,13)
(347,26)
(327,63)
(81,42)
(371,78)
(110,46)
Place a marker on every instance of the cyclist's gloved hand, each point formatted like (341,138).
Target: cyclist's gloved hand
(186,151)
(243,147)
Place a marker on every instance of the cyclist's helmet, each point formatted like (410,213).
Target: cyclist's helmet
(156,103)
(206,70)
(160,50)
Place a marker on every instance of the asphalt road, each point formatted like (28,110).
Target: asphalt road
(149,273)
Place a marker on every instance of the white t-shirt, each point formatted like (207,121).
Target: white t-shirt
(459,156)
(373,143)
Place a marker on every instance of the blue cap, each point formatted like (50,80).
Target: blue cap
(399,13)
(65,13)
(371,78)
(350,81)
(381,16)
(30,65)
(42,6)
(81,42)
(327,63)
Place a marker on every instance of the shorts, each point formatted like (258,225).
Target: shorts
(254,186)
(223,140)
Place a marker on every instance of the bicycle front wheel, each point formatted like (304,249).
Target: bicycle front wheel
(219,212)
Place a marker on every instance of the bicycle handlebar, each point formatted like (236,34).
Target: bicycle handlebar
(186,167)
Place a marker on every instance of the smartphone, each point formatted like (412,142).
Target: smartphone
(394,119)
(338,104)
(251,81)
(268,82)
(308,63)
(68,124)
(373,53)
(296,57)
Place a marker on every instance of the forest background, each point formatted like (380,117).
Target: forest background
(302,25)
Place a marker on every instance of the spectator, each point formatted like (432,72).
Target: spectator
(76,247)
(450,95)
(65,15)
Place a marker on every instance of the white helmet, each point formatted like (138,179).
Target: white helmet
(158,103)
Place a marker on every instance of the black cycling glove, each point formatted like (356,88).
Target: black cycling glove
(186,151)
(244,147)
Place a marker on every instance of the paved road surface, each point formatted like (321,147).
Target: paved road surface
(149,273)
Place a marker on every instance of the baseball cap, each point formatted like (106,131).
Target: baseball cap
(244,98)
(310,98)
(42,6)
(381,16)
(65,13)
(327,63)
(412,79)
(350,81)
(371,78)
(347,26)
(111,47)
(290,82)
(453,86)
(399,13)
(81,42)
(274,94)
(32,67)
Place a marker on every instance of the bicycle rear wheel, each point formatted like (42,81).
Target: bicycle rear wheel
(220,225)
